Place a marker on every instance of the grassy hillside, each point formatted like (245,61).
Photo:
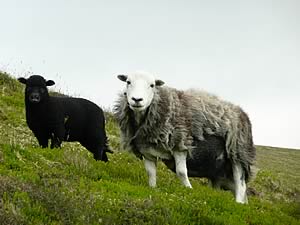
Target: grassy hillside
(67,186)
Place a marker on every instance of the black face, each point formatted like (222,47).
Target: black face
(36,88)
(36,94)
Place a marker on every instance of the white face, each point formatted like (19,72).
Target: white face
(140,89)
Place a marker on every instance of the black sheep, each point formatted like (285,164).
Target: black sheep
(64,118)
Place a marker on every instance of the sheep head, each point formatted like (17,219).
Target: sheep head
(140,89)
(36,88)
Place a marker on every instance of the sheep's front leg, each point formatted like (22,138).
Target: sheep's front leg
(181,169)
(57,136)
(150,167)
(42,137)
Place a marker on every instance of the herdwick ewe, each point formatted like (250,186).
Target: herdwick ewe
(64,118)
(194,133)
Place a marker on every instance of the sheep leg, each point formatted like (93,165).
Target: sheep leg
(55,142)
(57,137)
(104,156)
(95,149)
(214,184)
(99,153)
(43,142)
(181,169)
(240,187)
(150,167)
(42,138)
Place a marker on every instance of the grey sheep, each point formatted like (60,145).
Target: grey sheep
(194,133)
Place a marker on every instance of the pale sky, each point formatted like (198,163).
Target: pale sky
(247,52)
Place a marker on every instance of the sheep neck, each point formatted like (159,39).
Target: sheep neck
(139,117)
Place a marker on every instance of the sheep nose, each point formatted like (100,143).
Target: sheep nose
(35,97)
(137,99)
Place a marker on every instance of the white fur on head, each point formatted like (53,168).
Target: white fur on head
(140,89)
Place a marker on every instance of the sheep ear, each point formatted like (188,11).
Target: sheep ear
(22,80)
(50,82)
(159,83)
(123,77)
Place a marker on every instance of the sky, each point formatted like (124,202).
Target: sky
(246,52)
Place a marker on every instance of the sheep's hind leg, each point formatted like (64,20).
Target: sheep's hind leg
(181,169)
(96,149)
(150,167)
(104,156)
(99,153)
(240,188)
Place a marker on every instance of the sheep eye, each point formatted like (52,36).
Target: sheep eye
(128,82)
(152,85)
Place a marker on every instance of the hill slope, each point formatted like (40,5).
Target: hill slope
(66,186)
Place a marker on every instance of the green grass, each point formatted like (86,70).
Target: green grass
(67,186)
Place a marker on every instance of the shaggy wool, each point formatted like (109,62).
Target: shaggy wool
(175,118)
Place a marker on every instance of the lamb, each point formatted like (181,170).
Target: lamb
(64,118)
(194,133)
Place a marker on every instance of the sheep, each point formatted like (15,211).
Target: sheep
(193,132)
(64,118)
